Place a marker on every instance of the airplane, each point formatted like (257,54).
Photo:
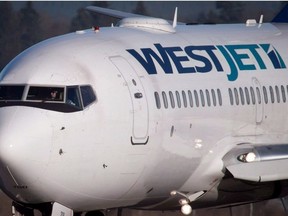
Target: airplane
(148,114)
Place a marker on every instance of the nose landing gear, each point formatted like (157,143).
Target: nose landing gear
(19,210)
(47,209)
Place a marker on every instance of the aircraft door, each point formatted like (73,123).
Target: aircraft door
(138,98)
(259,103)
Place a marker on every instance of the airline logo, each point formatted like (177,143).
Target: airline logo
(205,58)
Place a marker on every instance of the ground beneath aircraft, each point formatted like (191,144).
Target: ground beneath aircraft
(267,208)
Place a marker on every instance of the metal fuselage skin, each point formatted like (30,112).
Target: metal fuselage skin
(127,148)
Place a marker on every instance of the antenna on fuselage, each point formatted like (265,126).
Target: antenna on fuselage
(175,18)
(260,20)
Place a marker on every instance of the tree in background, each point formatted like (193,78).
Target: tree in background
(230,12)
(210,17)
(29,27)
(9,44)
(22,29)
(140,9)
(83,20)
(6,14)
(226,12)
(99,19)
(86,19)
(52,27)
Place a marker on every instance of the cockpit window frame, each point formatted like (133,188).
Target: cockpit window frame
(60,105)
(92,96)
(50,90)
(77,102)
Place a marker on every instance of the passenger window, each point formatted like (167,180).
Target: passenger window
(190,98)
(252,95)
(184,99)
(196,98)
(219,97)
(208,97)
(265,94)
(283,94)
(73,97)
(178,99)
(202,98)
(165,99)
(172,99)
(272,94)
(88,95)
(247,95)
(242,96)
(236,96)
(277,94)
(157,100)
(213,97)
(231,96)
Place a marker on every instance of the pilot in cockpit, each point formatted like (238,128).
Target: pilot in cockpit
(53,94)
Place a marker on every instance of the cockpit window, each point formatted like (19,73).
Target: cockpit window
(88,95)
(73,97)
(37,93)
(62,99)
(11,92)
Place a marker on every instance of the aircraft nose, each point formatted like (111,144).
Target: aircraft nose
(25,142)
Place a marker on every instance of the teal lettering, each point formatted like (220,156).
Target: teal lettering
(240,57)
(252,48)
(234,71)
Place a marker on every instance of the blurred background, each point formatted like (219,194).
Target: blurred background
(23,24)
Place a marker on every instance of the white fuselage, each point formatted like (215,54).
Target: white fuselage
(134,145)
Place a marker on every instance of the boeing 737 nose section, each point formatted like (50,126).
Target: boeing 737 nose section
(24,151)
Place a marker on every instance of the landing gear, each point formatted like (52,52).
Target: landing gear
(185,199)
(104,212)
(284,201)
(119,212)
(19,210)
(46,209)
(95,213)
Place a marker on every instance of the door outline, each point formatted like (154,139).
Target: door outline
(138,99)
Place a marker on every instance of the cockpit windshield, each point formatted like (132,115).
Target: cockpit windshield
(57,98)
(45,94)
(11,92)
